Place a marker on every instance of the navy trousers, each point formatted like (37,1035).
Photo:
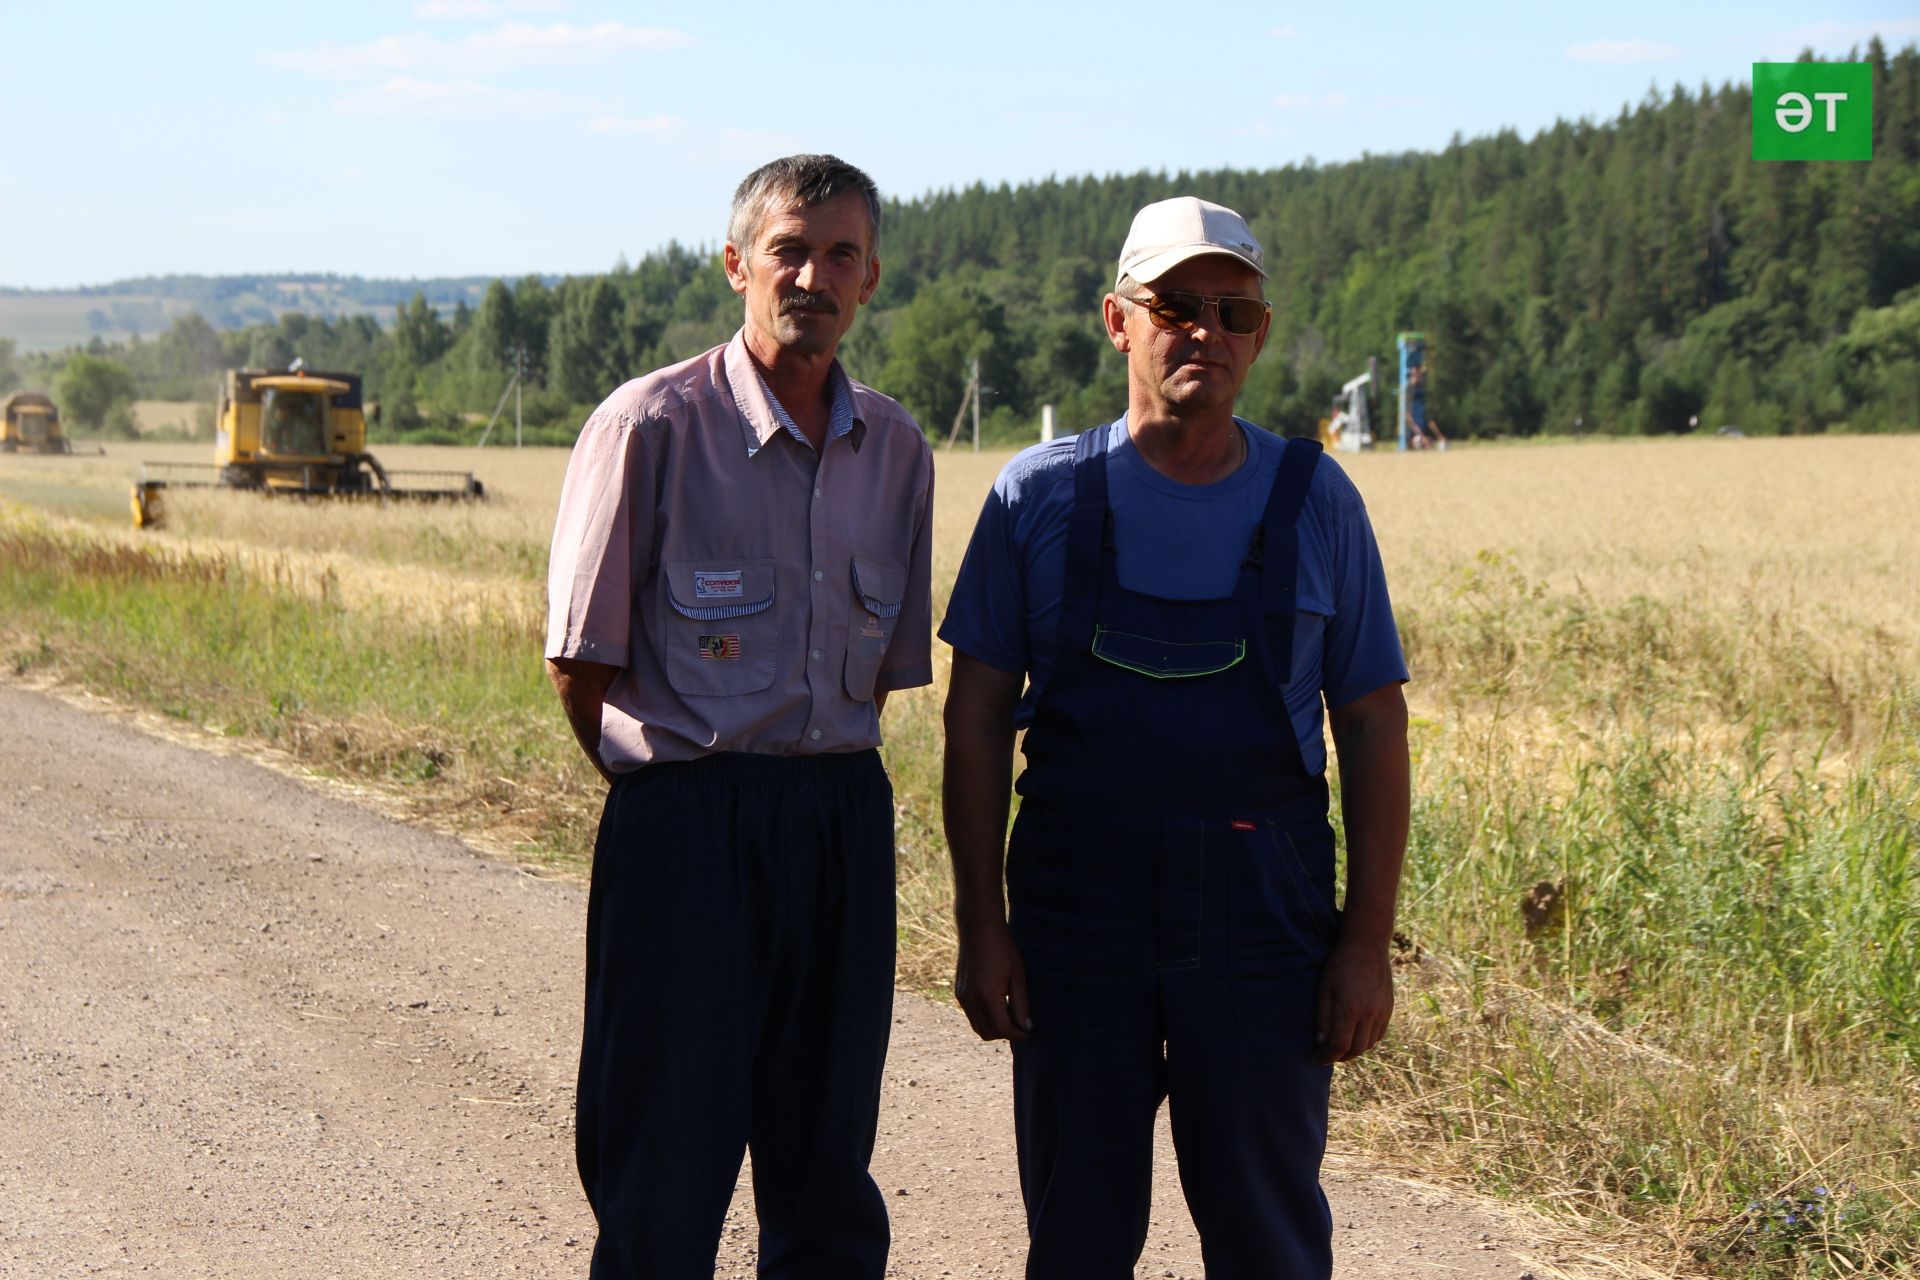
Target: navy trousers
(1174,958)
(740,959)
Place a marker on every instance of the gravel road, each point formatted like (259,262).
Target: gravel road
(252,1027)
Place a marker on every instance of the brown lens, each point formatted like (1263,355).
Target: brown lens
(1175,312)
(1241,315)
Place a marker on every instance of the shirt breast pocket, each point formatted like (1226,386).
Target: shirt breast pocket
(878,592)
(718,630)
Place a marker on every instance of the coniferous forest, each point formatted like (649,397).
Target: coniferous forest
(1640,274)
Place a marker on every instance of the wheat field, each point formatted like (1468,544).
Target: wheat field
(1666,686)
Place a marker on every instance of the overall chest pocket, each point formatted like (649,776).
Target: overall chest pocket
(878,592)
(717,630)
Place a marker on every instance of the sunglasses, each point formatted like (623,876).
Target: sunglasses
(1179,312)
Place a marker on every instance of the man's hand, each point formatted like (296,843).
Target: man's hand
(991,984)
(1356,1002)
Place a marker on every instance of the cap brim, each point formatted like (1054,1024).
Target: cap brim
(1153,266)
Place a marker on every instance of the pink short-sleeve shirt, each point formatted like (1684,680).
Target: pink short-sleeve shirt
(755,594)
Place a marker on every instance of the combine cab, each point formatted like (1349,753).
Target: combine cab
(29,423)
(294,432)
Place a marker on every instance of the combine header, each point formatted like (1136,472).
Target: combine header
(291,431)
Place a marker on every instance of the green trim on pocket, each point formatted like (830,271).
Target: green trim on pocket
(1164,659)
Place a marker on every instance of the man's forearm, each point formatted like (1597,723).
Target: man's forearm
(978,776)
(1372,748)
(582,687)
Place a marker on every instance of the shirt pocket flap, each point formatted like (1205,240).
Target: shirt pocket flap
(710,590)
(882,588)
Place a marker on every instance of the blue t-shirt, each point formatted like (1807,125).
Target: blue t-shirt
(1179,542)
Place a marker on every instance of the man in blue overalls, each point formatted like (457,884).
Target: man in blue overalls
(1163,603)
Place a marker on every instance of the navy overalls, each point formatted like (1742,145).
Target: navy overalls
(1170,886)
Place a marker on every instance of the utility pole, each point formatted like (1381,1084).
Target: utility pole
(972,397)
(513,388)
(976,404)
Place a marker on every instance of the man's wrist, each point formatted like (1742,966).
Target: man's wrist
(1361,936)
(974,914)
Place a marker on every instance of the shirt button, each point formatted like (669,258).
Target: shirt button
(817,655)
(815,735)
(819,576)
(816,491)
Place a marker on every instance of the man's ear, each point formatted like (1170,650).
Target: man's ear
(736,266)
(873,280)
(1115,316)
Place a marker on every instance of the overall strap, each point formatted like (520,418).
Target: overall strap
(1279,535)
(1085,534)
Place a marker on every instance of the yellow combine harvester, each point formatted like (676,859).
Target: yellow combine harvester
(29,423)
(291,431)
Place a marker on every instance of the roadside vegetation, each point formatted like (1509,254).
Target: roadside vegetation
(1662,911)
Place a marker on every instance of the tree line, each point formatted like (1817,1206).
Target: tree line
(1641,274)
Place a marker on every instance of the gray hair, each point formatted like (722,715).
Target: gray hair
(798,182)
(1124,289)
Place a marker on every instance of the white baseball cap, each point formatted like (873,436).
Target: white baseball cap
(1168,232)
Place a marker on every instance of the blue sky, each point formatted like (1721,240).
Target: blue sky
(452,137)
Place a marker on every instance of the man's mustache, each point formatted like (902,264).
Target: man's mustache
(804,300)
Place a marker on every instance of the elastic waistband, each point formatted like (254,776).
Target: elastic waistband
(750,768)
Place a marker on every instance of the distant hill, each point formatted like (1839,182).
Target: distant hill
(50,319)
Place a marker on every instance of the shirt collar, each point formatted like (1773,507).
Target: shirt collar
(762,416)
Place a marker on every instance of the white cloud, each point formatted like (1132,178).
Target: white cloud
(1477,51)
(565,45)
(442,99)
(510,46)
(1283,33)
(1623,51)
(353,173)
(645,126)
(483,10)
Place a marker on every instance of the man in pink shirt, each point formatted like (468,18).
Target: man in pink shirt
(740,575)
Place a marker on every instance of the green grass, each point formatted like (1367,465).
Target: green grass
(1722,1011)
(267,652)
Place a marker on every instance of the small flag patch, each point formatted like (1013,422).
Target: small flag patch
(1241,824)
(720,648)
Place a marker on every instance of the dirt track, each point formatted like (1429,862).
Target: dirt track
(253,1028)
